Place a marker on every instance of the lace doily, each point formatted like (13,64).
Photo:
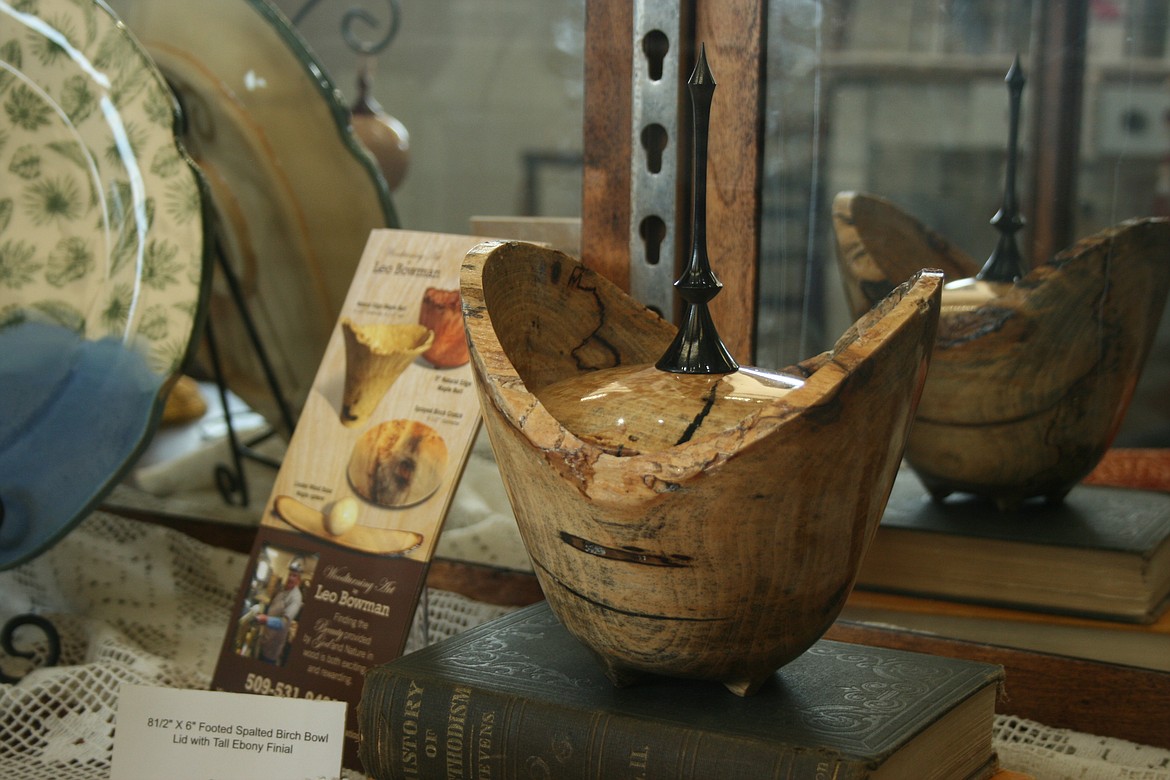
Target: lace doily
(135,602)
(132,602)
(1043,752)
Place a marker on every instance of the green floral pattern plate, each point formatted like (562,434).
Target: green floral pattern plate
(102,260)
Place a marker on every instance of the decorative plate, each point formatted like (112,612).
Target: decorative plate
(294,193)
(102,262)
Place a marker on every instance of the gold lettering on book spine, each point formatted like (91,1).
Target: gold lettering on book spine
(483,744)
(456,718)
(410,713)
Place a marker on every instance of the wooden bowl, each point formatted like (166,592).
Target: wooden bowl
(720,558)
(1030,380)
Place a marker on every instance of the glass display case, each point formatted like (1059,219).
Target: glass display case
(907,100)
(904,100)
(497,105)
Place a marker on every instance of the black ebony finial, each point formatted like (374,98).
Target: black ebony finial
(1005,263)
(697,349)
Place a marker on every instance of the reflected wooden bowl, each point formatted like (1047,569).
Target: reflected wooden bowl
(722,557)
(1030,380)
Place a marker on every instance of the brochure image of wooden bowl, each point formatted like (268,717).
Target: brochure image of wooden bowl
(398,463)
(324,525)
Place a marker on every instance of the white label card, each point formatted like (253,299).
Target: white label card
(211,735)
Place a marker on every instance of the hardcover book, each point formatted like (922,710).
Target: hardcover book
(520,697)
(1103,552)
(1144,645)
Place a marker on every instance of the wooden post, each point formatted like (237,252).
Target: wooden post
(733,31)
(605,201)
(1058,89)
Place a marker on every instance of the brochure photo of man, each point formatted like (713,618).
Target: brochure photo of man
(268,624)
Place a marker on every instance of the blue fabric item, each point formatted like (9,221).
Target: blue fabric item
(74,415)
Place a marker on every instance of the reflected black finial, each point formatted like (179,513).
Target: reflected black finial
(1005,263)
(697,349)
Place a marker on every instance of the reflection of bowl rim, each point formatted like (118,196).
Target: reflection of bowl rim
(371,432)
(695,396)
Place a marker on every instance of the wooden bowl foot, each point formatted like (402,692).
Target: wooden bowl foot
(746,687)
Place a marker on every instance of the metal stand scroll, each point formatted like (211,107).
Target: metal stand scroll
(52,641)
(353,15)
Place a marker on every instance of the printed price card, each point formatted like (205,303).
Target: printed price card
(212,735)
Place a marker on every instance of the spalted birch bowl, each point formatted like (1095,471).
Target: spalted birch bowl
(1030,379)
(722,556)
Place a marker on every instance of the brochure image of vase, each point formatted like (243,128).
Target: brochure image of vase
(375,356)
(442,312)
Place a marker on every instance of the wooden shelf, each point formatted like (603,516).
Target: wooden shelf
(1087,696)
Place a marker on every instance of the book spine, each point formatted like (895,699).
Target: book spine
(416,727)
